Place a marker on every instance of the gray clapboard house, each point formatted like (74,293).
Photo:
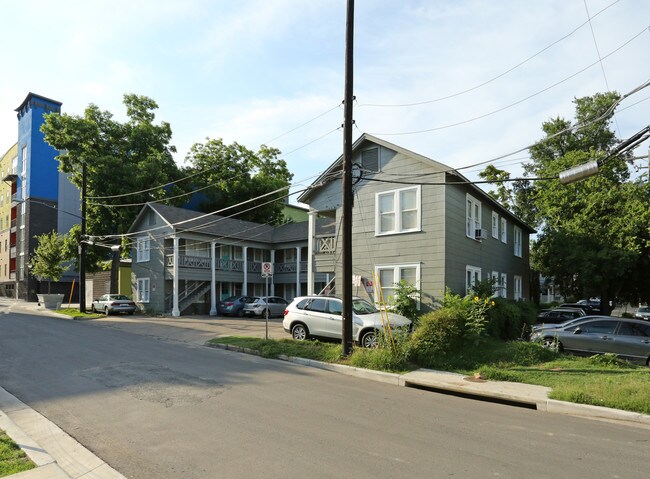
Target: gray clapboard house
(184,260)
(417,220)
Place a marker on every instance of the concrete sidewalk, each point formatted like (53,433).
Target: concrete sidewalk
(58,455)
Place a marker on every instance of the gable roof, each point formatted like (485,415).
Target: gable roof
(326,176)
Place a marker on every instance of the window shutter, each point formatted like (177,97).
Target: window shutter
(370,159)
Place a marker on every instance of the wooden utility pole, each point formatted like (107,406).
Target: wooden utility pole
(346,332)
(82,243)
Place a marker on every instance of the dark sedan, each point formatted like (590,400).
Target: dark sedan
(559,315)
(234,305)
(627,338)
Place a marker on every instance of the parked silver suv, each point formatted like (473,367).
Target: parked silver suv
(320,316)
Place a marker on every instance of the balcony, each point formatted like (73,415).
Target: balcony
(203,262)
(13,225)
(12,275)
(12,252)
(15,199)
(326,245)
(10,177)
(236,265)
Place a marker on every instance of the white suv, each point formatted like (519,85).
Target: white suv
(320,316)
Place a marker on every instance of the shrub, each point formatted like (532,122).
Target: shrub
(509,320)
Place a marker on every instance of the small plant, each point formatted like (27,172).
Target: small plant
(607,359)
(405,300)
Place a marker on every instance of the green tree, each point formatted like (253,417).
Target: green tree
(594,235)
(237,174)
(47,260)
(121,158)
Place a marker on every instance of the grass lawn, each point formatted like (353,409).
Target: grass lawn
(76,314)
(12,458)
(599,380)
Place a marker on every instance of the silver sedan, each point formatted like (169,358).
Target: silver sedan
(113,303)
(627,338)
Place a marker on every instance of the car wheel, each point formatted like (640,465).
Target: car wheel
(106,310)
(240,313)
(131,313)
(370,340)
(92,308)
(299,332)
(552,343)
(264,313)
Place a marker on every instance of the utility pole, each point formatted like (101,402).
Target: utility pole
(346,333)
(82,243)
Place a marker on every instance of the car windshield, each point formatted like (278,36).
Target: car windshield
(361,306)
(644,309)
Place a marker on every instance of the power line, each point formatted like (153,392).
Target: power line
(303,124)
(453,95)
(479,117)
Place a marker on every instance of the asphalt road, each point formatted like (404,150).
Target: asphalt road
(154,408)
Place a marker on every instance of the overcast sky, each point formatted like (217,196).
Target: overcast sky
(252,70)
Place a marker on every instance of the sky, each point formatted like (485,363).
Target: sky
(485,74)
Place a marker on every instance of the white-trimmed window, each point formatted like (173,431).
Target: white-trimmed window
(472,277)
(24,163)
(142,249)
(517,288)
(495,284)
(390,276)
(495,225)
(504,230)
(516,239)
(503,285)
(397,211)
(472,216)
(142,290)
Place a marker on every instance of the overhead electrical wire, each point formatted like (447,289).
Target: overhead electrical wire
(303,124)
(453,95)
(479,117)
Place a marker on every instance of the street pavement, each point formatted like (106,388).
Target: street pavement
(58,455)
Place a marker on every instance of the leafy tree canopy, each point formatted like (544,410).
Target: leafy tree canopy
(47,260)
(594,234)
(121,158)
(236,174)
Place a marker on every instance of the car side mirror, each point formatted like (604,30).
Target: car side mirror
(577,331)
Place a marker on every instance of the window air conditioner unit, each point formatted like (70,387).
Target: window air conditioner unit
(480,234)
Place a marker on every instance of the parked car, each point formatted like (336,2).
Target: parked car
(234,305)
(587,308)
(559,315)
(259,305)
(581,319)
(321,316)
(113,303)
(643,313)
(627,338)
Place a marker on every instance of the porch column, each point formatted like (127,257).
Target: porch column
(175,311)
(272,293)
(213,285)
(244,289)
(310,251)
(298,293)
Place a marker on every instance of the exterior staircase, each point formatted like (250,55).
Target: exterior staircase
(187,295)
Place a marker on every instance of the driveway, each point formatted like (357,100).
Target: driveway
(193,329)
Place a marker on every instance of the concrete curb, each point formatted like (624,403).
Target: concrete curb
(57,454)
(528,395)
